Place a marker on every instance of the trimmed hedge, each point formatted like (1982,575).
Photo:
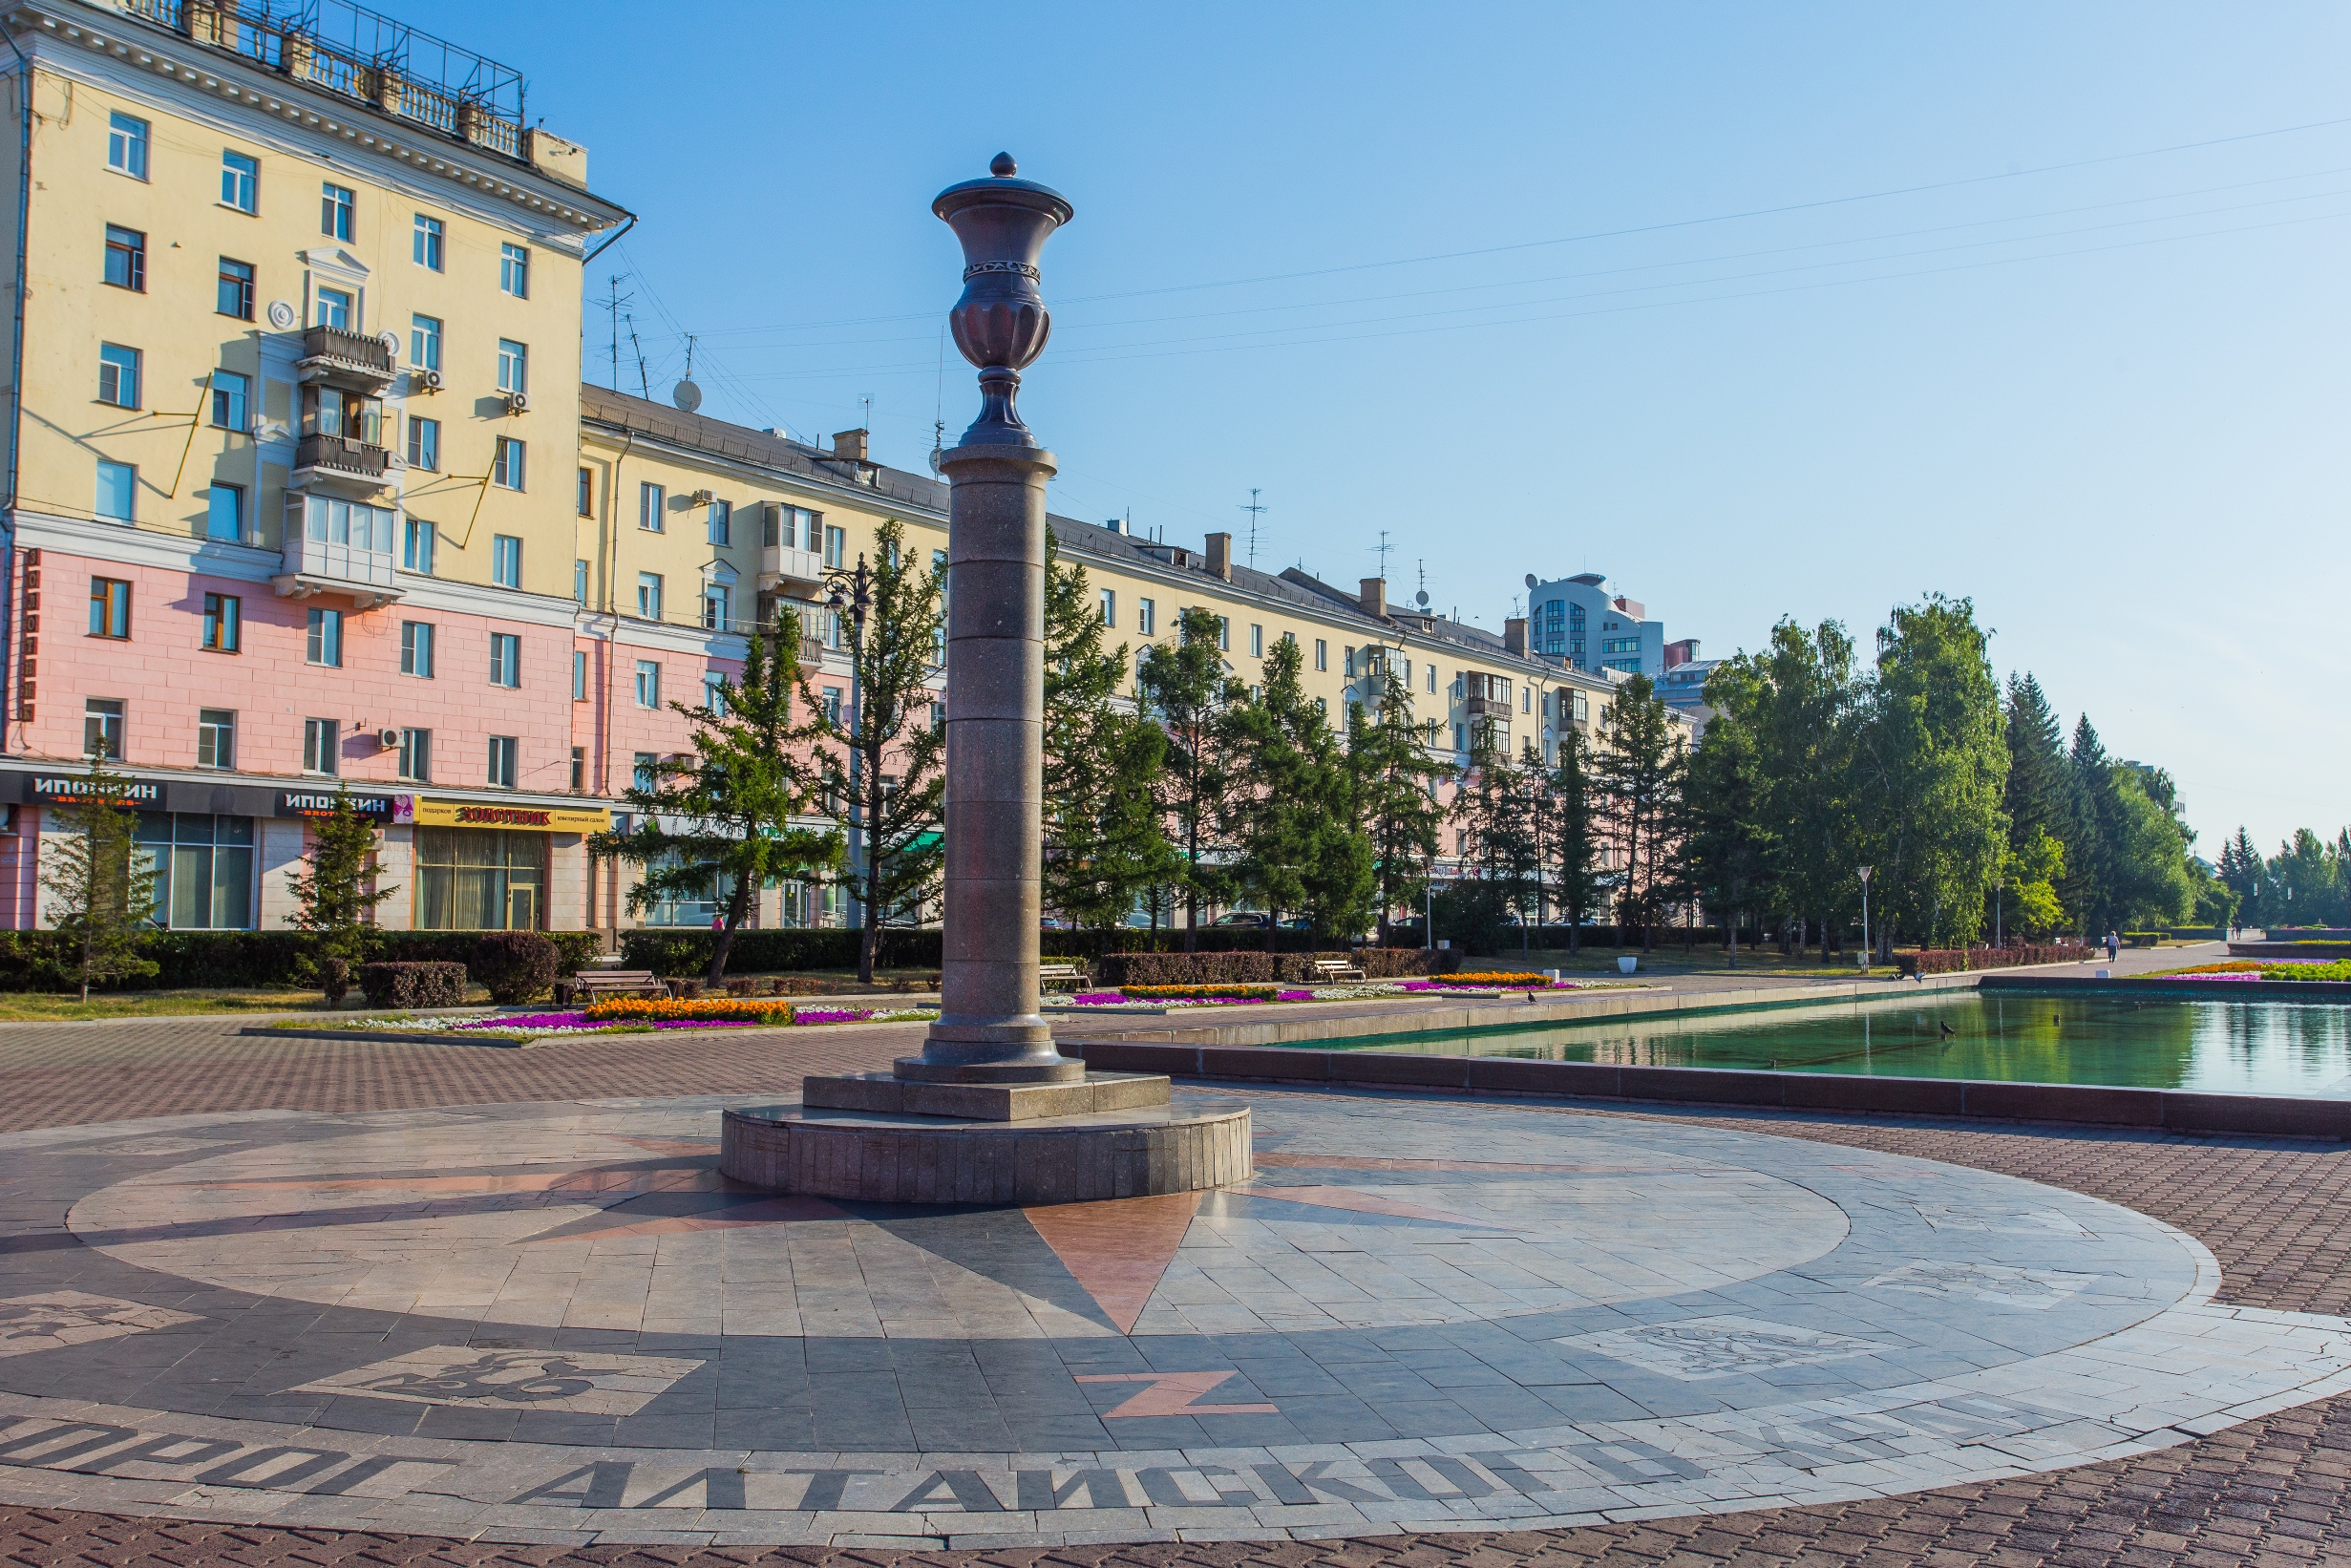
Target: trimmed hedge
(1946,960)
(679,951)
(516,966)
(407,986)
(35,961)
(1124,969)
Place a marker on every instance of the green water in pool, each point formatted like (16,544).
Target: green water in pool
(2214,1047)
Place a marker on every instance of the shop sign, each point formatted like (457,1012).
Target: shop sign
(375,808)
(71,787)
(457,814)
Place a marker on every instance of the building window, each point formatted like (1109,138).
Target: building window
(1146,616)
(126,145)
(424,342)
(126,258)
(587,493)
(428,245)
(721,523)
(795,528)
(1224,633)
(648,596)
(417,648)
(1257,642)
(506,468)
(234,296)
(118,375)
(651,501)
(1322,654)
(514,270)
(223,618)
(321,746)
(717,606)
(118,490)
(579,674)
(424,443)
(578,770)
(836,546)
(216,738)
(1349,656)
(225,513)
(831,695)
(506,561)
(110,608)
(513,366)
(335,309)
(334,211)
(503,769)
(505,659)
(420,541)
(939,718)
(101,728)
(322,643)
(579,582)
(479,880)
(1110,608)
(240,181)
(715,694)
(645,772)
(1461,738)
(229,391)
(417,755)
(649,684)
(205,869)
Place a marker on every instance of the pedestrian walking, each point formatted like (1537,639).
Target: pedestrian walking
(2114,946)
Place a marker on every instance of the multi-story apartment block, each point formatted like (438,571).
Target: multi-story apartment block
(290,454)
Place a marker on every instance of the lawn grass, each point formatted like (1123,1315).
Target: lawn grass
(60,1007)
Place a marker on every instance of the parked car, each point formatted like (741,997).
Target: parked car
(1242,917)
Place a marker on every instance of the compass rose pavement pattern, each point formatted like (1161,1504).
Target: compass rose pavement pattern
(559,1323)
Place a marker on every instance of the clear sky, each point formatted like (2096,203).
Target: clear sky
(1763,311)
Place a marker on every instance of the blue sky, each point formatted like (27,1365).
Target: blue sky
(1762,310)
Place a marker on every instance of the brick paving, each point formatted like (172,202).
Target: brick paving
(2277,1213)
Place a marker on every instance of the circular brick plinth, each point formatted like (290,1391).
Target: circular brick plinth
(915,1159)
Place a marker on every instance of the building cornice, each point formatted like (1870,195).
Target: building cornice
(144,57)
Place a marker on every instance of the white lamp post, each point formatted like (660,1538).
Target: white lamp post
(1867,952)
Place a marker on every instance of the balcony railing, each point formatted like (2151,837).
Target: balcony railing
(339,456)
(1483,707)
(811,651)
(780,564)
(332,353)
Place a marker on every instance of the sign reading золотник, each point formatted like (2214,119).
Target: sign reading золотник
(459,814)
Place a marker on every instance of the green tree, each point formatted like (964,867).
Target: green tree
(727,819)
(2241,872)
(1185,688)
(1729,842)
(2091,808)
(101,884)
(1934,764)
(1499,832)
(1639,774)
(1395,782)
(332,897)
(1292,806)
(2034,911)
(2035,799)
(1105,842)
(883,758)
(1575,833)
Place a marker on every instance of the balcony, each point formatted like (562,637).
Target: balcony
(1487,708)
(341,464)
(811,653)
(341,358)
(340,547)
(783,568)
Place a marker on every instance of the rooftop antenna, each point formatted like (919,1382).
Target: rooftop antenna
(867,400)
(685,394)
(1254,512)
(1381,550)
(645,384)
(613,301)
(938,410)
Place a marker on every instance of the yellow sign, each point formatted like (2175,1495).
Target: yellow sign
(458,813)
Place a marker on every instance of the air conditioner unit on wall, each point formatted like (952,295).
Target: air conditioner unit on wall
(518,402)
(387,738)
(427,380)
(704,498)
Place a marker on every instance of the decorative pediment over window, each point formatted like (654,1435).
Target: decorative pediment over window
(718,574)
(336,262)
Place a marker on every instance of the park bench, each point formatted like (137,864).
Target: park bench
(1073,975)
(588,986)
(1331,970)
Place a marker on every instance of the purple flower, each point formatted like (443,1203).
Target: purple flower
(831,1015)
(1096,999)
(527,1021)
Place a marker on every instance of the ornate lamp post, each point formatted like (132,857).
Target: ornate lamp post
(1868,953)
(990,1028)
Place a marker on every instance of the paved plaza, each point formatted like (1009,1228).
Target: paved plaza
(1479,1326)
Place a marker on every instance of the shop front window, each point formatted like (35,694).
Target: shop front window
(205,869)
(698,908)
(480,879)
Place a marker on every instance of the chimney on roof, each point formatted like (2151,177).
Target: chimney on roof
(1515,636)
(1374,597)
(849,445)
(1221,555)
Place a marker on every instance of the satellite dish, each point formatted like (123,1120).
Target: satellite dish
(1530,579)
(686,395)
(1421,599)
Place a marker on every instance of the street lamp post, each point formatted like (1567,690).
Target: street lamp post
(854,591)
(2000,885)
(1868,952)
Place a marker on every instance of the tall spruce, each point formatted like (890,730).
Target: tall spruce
(1728,842)
(1497,841)
(2036,798)
(1185,690)
(1575,833)
(1105,842)
(883,759)
(101,883)
(2087,888)
(2241,868)
(335,894)
(1639,774)
(1292,812)
(733,814)
(1396,775)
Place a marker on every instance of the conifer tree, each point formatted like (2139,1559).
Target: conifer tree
(1639,775)
(1726,838)
(730,816)
(101,884)
(332,899)
(1185,690)
(1395,775)
(1292,812)
(2036,796)
(1576,833)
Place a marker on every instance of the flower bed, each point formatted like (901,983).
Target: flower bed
(2245,968)
(1225,996)
(651,1016)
